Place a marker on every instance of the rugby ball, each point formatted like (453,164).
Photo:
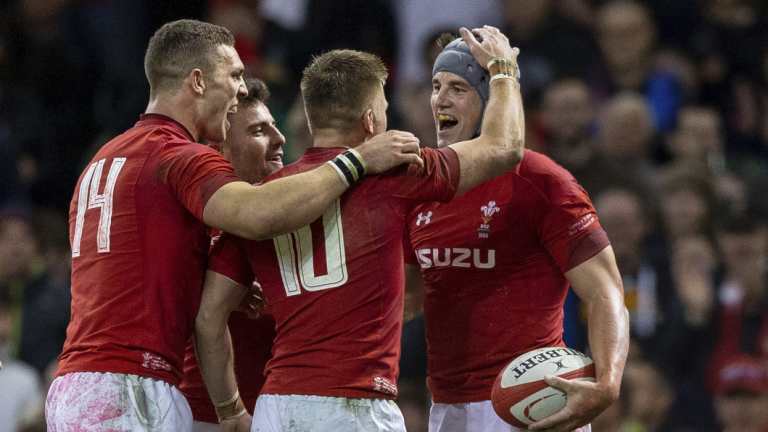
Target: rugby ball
(520,395)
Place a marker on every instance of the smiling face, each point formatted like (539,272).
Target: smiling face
(456,108)
(254,145)
(222,87)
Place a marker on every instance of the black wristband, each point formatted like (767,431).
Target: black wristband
(349,166)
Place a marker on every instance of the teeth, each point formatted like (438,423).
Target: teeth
(445,117)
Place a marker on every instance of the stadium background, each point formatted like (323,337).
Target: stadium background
(659,108)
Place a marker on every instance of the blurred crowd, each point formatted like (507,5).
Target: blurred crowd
(659,108)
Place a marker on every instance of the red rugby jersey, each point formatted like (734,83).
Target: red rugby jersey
(335,287)
(493,264)
(139,250)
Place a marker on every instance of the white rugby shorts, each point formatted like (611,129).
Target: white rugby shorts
(301,413)
(100,401)
(471,417)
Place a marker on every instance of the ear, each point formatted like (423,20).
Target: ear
(197,82)
(369,121)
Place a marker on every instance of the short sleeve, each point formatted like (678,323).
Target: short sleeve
(568,224)
(228,257)
(438,180)
(194,172)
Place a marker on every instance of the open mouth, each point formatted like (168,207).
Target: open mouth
(445,121)
(276,158)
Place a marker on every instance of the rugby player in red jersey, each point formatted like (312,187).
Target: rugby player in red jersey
(335,287)
(139,240)
(496,264)
(254,146)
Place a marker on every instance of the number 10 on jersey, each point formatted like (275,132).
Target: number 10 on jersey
(296,256)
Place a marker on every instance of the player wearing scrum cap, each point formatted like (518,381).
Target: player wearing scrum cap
(335,287)
(496,265)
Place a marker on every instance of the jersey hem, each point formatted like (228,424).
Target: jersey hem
(356,394)
(90,366)
(471,397)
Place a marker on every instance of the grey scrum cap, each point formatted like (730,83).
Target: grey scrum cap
(456,58)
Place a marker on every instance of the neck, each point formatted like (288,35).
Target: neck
(338,138)
(175,106)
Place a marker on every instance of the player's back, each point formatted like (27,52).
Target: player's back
(139,250)
(335,287)
(493,264)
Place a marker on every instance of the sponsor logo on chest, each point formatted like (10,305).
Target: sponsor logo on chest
(456,257)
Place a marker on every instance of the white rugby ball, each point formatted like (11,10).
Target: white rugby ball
(520,395)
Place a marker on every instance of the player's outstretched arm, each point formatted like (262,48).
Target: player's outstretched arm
(501,142)
(286,204)
(597,282)
(213,347)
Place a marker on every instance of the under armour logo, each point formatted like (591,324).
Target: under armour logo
(423,217)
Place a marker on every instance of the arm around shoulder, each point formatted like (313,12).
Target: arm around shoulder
(288,203)
(280,206)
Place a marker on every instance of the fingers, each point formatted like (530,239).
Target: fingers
(552,421)
(411,145)
(469,38)
(559,383)
(398,134)
(412,158)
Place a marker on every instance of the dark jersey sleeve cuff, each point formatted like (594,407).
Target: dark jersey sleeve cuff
(587,247)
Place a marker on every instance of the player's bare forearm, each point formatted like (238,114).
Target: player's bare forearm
(214,354)
(598,283)
(501,143)
(213,342)
(287,204)
(599,286)
(280,206)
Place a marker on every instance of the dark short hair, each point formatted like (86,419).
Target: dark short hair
(180,46)
(445,38)
(337,85)
(258,91)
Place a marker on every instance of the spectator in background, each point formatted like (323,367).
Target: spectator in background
(623,146)
(741,323)
(683,347)
(742,395)
(267,49)
(626,35)
(416,20)
(566,125)
(697,140)
(556,45)
(39,305)
(19,382)
(645,272)
(687,200)
(649,398)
